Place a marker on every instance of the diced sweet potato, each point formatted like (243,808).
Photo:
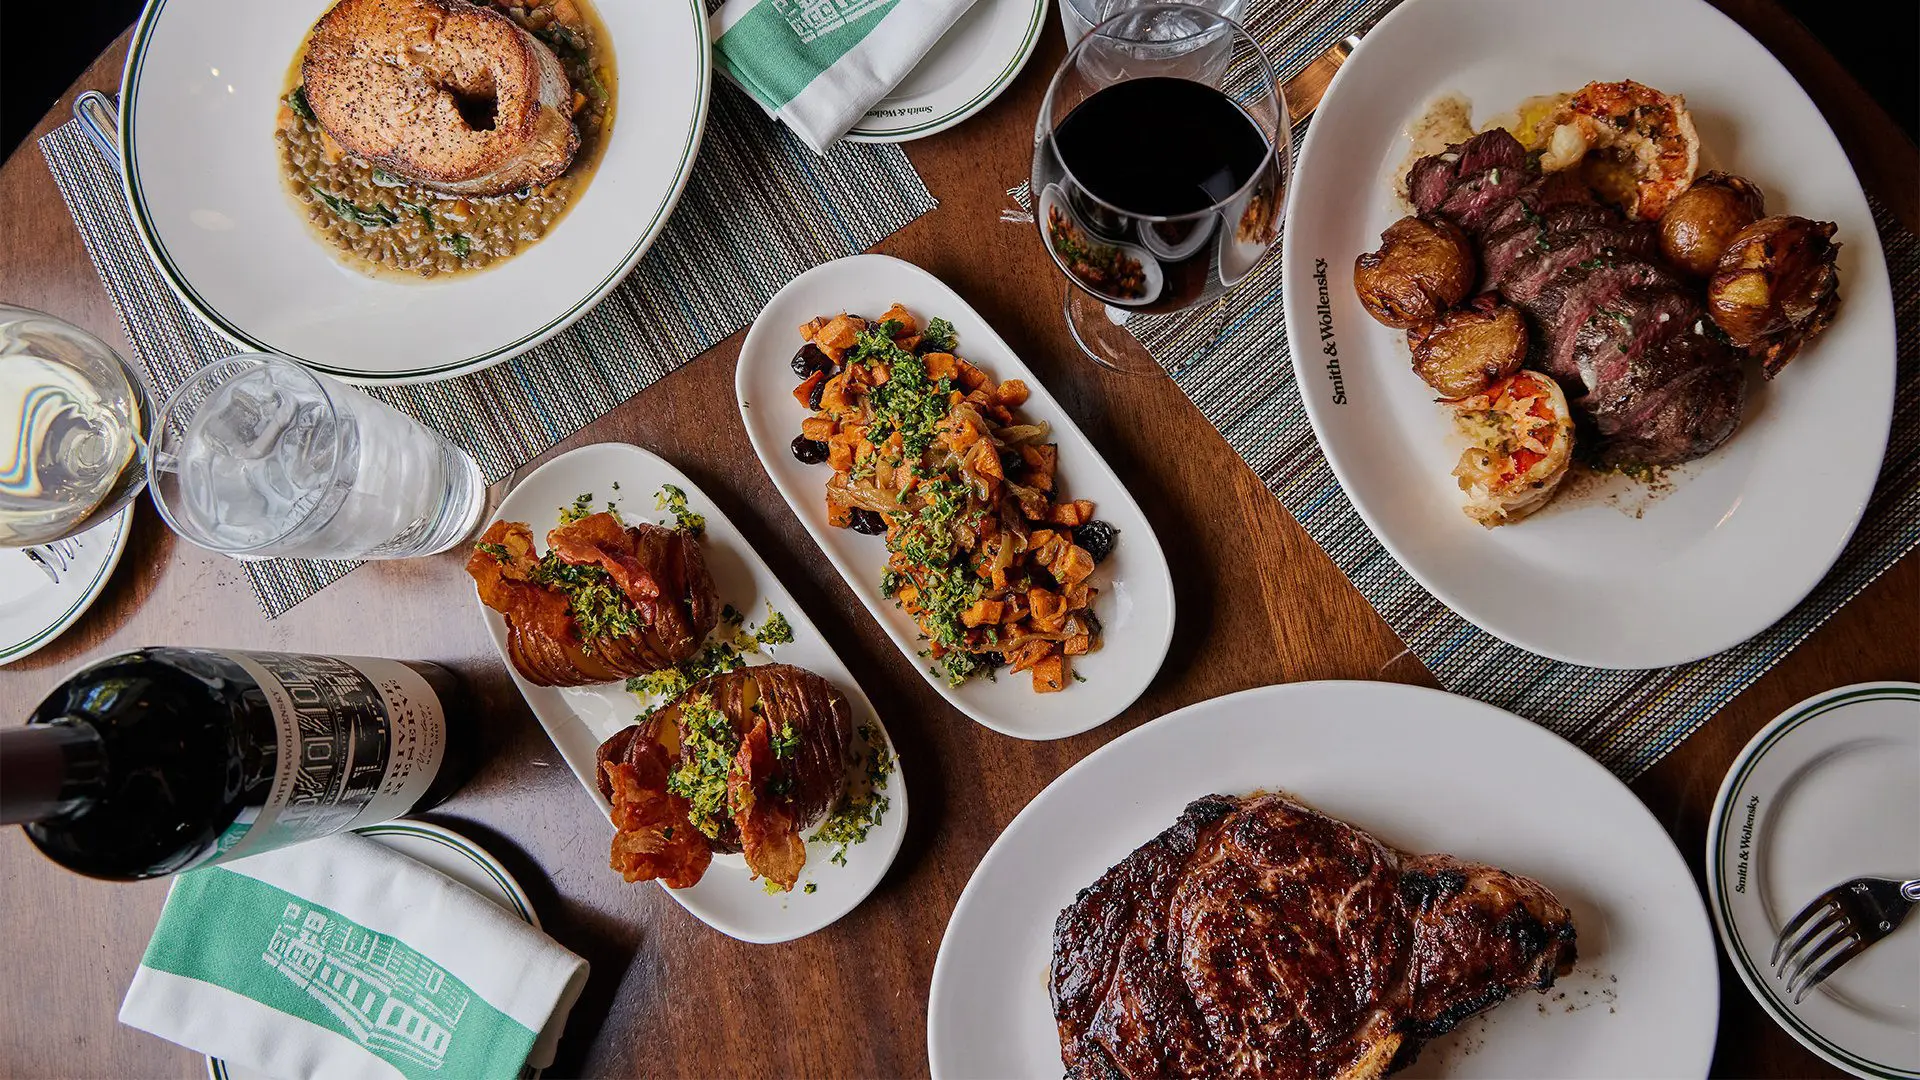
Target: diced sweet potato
(810,330)
(1012,393)
(983,613)
(839,334)
(982,459)
(1026,654)
(1072,565)
(1041,461)
(833,396)
(1050,674)
(839,454)
(1073,514)
(819,428)
(941,365)
(1077,645)
(970,377)
(804,392)
(898,314)
(839,516)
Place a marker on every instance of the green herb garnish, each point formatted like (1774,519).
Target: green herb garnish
(785,742)
(810,887)
(582,508)
(850,824)
(297,101)
(377,217)
(708,744)
(599,609)
(674,500)
(939,336)
(495,550)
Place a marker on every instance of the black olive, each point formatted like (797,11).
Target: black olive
(808,451)
(1098,538)
(868,522)
(809,360)
(813,396)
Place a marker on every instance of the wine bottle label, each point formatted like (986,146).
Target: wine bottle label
(360,741)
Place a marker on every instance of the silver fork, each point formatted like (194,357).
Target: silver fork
(54,558)
(1852,915)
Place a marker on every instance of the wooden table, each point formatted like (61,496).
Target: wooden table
(1259,603)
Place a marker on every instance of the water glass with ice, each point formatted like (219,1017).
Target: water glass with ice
(257,456)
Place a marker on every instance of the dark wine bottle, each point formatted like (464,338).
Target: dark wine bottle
(161,760)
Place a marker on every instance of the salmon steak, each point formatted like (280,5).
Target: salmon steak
(1258,937)
(448,94)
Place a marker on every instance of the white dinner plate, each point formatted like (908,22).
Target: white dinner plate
(1425,772)
(972,63)
(450,853)
(1135,601)
(42,595)
(580,718)
(1743,534)
(1828,792)
(199,97)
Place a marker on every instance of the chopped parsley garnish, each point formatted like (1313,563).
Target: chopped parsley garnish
(785,742)
(674,500)
(708,744)
(909,402)
(811,887)
(850,824)
(582,507)
(494,550)
(715,657)
(598,607)
(939,336)
(775,631)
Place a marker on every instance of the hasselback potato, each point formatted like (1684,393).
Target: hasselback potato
(606,602)
(756,755)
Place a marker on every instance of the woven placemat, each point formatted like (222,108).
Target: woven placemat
(1232,360)
(755,189)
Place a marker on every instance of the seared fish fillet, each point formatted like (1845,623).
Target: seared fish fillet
(1256,937)
(451,95)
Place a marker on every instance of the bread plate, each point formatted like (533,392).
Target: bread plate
(1135,605)
(1727,544)
(200,93)
(1421,770)
(579,719)
(971,65)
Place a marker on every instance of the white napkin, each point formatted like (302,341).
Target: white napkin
(342,958)
(819,65)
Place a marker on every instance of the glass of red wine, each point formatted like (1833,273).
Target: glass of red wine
(1160,164)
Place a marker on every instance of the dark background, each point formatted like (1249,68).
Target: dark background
(45,44)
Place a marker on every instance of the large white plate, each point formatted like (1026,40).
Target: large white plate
(1424,771)
(1827,792)
(36,605)
(451,854)
(201,89)
(1135,605)
(580,718)
(1747,531)
(972,63)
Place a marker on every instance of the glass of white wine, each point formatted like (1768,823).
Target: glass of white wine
(74,422)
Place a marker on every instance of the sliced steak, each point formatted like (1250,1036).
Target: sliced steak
(1673,400)
(1472,180)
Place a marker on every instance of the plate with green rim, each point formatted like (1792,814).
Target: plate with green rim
(442,849)
(39,599)
(1827,792)
(972,63)
(200,98)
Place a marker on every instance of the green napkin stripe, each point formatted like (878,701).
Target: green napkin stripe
(264,943)
(776,50)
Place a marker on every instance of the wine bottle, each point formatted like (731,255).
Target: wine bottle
(163,759)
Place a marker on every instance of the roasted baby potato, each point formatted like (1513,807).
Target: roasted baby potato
(1699,224)
(1775,287)
(1470,348)
(1425,265)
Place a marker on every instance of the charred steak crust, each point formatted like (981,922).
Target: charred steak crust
(1258,937)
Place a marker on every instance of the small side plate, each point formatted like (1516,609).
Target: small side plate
(972,63)
(450,853)
(38,602)
(1135,605)
(580,718)
(1827,792)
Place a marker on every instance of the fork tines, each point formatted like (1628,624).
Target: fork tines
(1826,925)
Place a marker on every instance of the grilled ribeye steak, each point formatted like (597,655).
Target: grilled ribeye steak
(443,92)
(1625,336)
(1257,937)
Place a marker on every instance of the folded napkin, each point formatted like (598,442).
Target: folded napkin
(343,958)
(819,65)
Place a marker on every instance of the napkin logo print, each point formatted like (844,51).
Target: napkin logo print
(812,18)
(386,995)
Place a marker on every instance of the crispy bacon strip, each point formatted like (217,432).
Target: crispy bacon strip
(600,540)
(652,838)
(768,834)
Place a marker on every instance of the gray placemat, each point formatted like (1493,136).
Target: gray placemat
(759,209)
(1232,360)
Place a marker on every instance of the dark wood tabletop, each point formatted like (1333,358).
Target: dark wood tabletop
(1259,603)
